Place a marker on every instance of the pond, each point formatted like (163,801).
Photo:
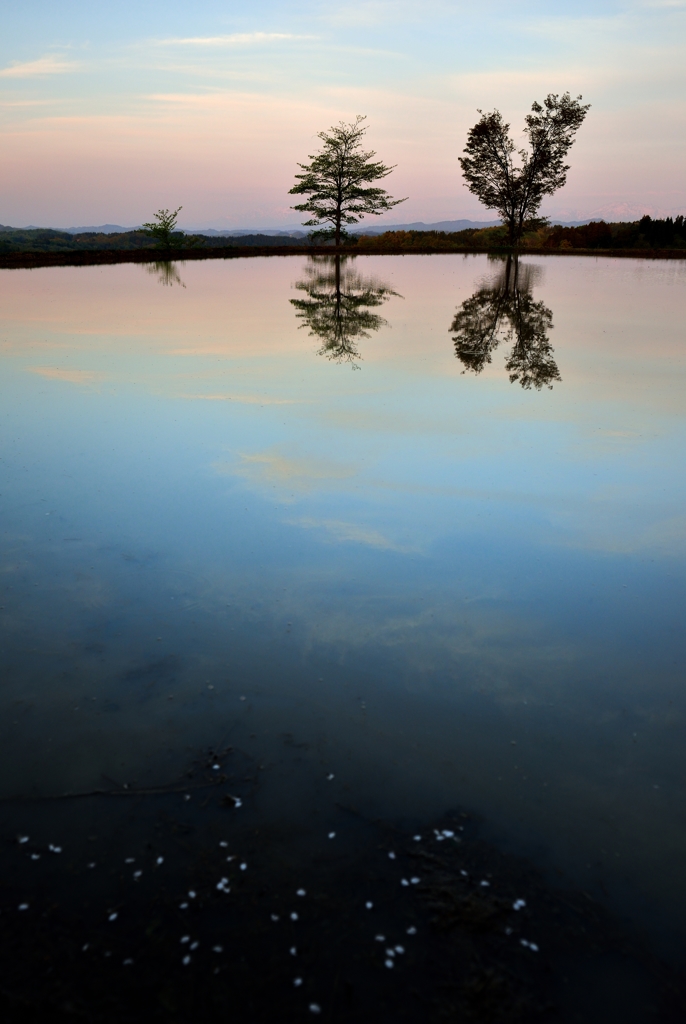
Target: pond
(393,538)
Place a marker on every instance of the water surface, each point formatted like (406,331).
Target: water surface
(422,517)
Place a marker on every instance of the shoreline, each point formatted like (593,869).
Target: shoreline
(76,258)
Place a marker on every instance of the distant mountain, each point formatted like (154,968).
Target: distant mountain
(574,223)
(375,229)
(99,229)
(297,230)
(418,225)
(364,228)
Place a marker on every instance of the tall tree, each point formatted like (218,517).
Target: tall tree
(339,181)
(516,191)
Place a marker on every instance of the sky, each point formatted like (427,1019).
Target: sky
(111,111)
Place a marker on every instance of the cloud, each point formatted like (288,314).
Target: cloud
(237,39)
(26,103)
(342,531)
(83,377)
(373,13)
(42,66)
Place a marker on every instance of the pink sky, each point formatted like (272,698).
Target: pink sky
(106,122)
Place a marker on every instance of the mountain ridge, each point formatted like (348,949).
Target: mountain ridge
(295,230)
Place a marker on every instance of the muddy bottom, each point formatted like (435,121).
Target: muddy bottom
(173,904)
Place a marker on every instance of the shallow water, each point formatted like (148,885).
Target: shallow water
(238,509)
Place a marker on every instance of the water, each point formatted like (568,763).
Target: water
(416,522)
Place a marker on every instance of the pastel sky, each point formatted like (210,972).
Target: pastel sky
(110,111)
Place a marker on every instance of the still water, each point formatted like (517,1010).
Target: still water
(423,516)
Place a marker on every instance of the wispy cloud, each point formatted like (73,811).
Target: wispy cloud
(237,39)
(42,66)
(372,13)
(83,377)
(26,103)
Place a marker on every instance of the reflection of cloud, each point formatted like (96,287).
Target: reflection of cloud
(665,537)
(275,469)
(342,531)
(394,421)
(86,377)
(669,535)
(615,492)
(608,443)
(610,530)
(242,399)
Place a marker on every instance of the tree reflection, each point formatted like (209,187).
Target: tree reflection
(166,272)
(505,309)
(338,306)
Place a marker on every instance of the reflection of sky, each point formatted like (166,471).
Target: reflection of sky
(230,371)
(456,546)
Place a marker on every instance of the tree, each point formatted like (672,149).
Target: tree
(338,182)
(163,228)
(507,307)
(516,192)
(338,307)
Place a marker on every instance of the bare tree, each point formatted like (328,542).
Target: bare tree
(339,182)
(516,191)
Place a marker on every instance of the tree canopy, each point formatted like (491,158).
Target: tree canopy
(339,181)
(163,228)
(516,191)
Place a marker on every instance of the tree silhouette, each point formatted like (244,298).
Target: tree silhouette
(504,309)
(337,181)
(163,228)
(338,306)
(516,192)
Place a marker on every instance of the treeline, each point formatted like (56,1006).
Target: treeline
(470,238)
(644,234)
(18,240)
